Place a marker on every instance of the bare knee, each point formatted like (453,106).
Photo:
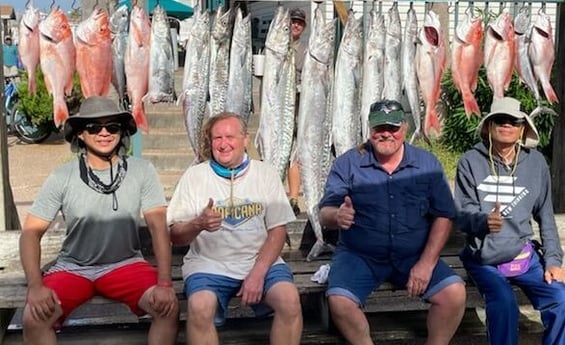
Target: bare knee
(342,306)
(32,325)
(452,296)
(284,299)
(201,307)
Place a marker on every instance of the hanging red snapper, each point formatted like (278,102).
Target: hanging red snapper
(466,59)
(57,58)
(542,54)
(137,63)
(93,43)
(499,53)
(28,46)
(430,64)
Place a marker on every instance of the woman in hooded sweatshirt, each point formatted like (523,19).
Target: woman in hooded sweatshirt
(501,184)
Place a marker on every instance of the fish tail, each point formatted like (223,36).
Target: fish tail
(550,93)
(60,112)
(138,113)
(471,105)
(431,124)
(32,85)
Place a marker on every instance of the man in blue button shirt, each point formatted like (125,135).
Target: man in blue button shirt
(393,207)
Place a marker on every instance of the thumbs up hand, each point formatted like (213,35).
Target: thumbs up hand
(494,219)
(345,214)
(210,220)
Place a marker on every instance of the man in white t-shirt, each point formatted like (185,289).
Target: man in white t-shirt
(233,212)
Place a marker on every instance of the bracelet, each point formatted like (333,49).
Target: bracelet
(165,283)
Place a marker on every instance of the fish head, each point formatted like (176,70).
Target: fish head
(542,25)
(221,28)
(160,22)
(352,39)
(522,23)
(242,26)
(430,33)
(278,37)
(411,29)
(95,29)
(376,26)
(119,20)
(394,27)
(30,19)
(470,30)
(201,27)
(140,27)
(321,45)
(55,27)
(503,27)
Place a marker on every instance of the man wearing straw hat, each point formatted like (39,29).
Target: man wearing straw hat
(501,184)
(101,194)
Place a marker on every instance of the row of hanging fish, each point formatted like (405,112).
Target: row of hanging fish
(386,61)
(392,62)
(130,52)
(217,69)
(523,44)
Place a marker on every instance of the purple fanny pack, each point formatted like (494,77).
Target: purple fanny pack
(520,264)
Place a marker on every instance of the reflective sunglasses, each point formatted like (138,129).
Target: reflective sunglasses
(386,106)
(503,120)
(95,127)
(386,128)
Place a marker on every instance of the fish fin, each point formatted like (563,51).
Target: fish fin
(550,93)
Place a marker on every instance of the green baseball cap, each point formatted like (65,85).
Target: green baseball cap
(386,113)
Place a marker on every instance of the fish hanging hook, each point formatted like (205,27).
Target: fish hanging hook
(411,5)
(542,8)
(52,4)
(95,5)
(27,3)
(469,8)
(73,5)
(450,7)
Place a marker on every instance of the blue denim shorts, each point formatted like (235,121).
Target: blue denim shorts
(355,277)
(225,288)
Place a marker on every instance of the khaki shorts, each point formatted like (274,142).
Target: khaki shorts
(11,71)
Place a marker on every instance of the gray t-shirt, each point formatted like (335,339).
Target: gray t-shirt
(96,234)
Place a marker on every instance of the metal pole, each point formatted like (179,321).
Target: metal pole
(9,219)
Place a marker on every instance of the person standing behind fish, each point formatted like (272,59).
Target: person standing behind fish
(10,54)
(233,212)
(298,24)
(393,207)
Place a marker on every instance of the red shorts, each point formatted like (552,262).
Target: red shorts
(125,284)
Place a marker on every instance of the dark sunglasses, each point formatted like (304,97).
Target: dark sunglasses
(503,120)
(95,127)
(386,128)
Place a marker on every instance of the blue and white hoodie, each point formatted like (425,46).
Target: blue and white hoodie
(524,194)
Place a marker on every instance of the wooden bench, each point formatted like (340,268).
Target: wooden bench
(101,311)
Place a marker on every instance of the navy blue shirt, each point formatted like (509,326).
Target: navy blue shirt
(393,212)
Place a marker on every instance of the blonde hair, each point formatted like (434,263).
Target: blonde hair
(205,152)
